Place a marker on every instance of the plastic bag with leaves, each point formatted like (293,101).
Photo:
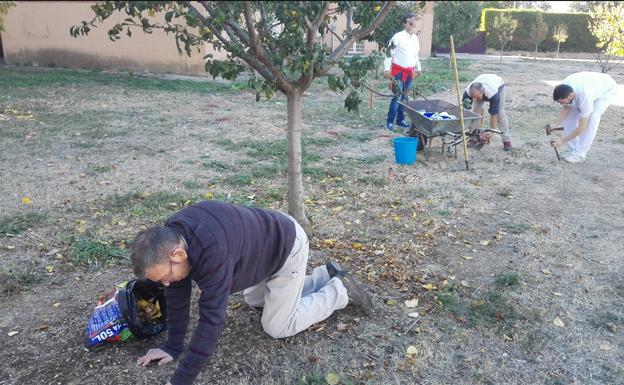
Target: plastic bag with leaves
(132,309)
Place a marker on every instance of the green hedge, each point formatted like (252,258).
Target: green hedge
(580,38)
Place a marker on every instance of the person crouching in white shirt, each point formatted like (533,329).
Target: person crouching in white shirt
(584,96)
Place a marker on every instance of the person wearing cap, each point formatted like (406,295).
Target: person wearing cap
(224,249)
(584,97)
(402,66)
(489,88)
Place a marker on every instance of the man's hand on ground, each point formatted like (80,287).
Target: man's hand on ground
(155,355)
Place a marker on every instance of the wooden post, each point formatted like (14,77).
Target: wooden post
(459,103)
(372,94)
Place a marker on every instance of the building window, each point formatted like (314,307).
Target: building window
(356,49)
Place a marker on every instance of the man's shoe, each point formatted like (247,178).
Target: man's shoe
(507,146)
(573,158)
(357,296)
(403,124)
(389,127)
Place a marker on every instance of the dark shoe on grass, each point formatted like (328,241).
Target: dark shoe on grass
(357,296)
(507,146)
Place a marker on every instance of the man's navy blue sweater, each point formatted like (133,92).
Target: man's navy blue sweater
(230,248)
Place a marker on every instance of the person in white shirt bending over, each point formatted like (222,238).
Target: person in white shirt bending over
(490,88)
(402,66)
(584,96)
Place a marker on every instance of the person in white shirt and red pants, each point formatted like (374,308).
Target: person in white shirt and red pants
(402,66)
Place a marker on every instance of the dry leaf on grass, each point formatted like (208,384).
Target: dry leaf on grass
(411,302)
(411,350)
(558,322)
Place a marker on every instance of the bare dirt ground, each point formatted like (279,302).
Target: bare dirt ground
(516,264)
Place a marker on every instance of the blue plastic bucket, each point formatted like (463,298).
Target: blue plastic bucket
(405,149)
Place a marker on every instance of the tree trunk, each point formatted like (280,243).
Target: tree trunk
(558,50)
(501,54)
(296,206)
(535,55)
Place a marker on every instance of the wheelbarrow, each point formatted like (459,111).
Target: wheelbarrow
(426,128)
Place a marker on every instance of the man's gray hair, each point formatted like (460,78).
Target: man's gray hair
(477,86)
(153,246)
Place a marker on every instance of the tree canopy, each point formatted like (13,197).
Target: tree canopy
(281,43)
(607,25)
(4,8)
(459,19)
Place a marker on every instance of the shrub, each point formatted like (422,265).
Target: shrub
(580,38)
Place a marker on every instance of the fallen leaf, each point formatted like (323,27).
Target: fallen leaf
(556,294)
(396,218)
(484,242)
(546,271)
(356,245)
(411,350)
(411,302)
(314,359)
(414,314)
(429,286)
(56,304)
(341,326)
(11,334)
(391,302)
(467,257)
(464,283)
(558,322)
(43,327)
(26,200)
(49,269)
(208,195)
(332,379)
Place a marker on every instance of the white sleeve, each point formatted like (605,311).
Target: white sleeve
(417,66)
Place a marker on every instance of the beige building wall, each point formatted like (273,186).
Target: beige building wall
(38,33)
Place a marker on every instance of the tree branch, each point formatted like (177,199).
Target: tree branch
(357,35)
(260,53)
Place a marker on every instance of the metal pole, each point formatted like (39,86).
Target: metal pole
(459,103)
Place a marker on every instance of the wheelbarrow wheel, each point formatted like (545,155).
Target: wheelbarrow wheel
(422,139)
(422,142)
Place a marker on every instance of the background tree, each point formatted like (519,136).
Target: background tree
(503,28)
(539,32)
(607,25)
(4,8)
(277,40)
(457,18)
(560,35)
